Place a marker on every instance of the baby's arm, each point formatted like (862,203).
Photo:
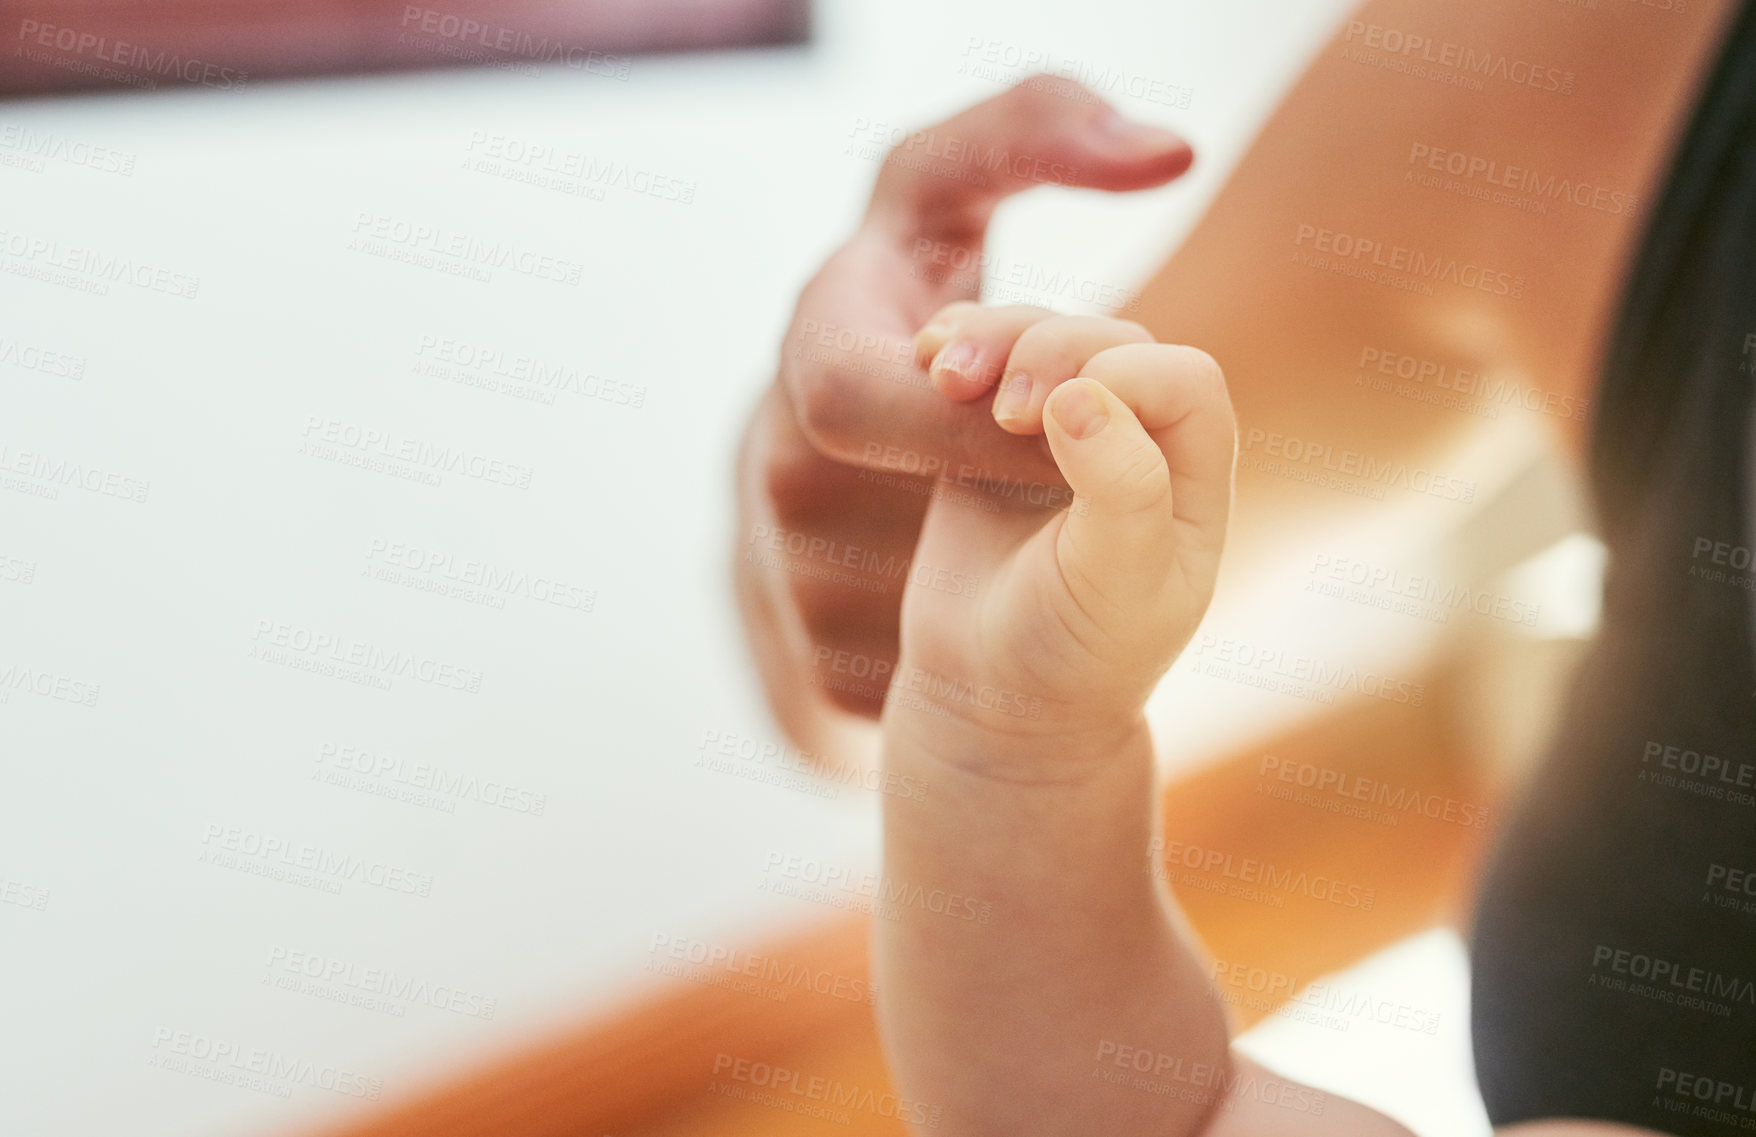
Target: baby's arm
(1056,959)
(1033,975)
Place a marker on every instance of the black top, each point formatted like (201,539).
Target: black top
(1614,947)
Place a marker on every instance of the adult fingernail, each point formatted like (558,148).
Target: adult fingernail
(1078,408)
(1014,397)
(1137,135)
(958,358)
(926,338)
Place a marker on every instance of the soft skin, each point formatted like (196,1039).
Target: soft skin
(1091,932)
(1022,706)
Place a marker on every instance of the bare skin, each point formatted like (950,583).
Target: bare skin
(1004,1023)
(807,457)
(1052,988)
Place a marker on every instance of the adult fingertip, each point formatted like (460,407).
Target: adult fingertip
(1165,152)
(1012,401)
(1110,124)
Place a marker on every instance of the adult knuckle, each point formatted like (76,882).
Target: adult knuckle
(827,408)
(1035,95)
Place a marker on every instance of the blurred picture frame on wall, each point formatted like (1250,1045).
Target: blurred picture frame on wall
(124,45)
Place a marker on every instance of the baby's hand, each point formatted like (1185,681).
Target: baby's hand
(1037,613)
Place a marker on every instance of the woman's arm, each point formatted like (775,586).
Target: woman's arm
(1360,149)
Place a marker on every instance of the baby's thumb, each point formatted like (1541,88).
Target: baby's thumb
(1119,537)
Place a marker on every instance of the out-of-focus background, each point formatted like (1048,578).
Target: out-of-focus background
(365,543)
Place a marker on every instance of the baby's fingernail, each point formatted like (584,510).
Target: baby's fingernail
(1013,398)
(958,358)
(1078,409)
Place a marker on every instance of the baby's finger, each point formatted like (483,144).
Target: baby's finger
(1146,437)
(1118,536)
(1047,354)
(973,352)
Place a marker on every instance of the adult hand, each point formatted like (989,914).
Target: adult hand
(846,447)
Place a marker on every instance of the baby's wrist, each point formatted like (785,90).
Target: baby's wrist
(1019,753)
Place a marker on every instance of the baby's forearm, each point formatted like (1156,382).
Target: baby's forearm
(1031,945)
